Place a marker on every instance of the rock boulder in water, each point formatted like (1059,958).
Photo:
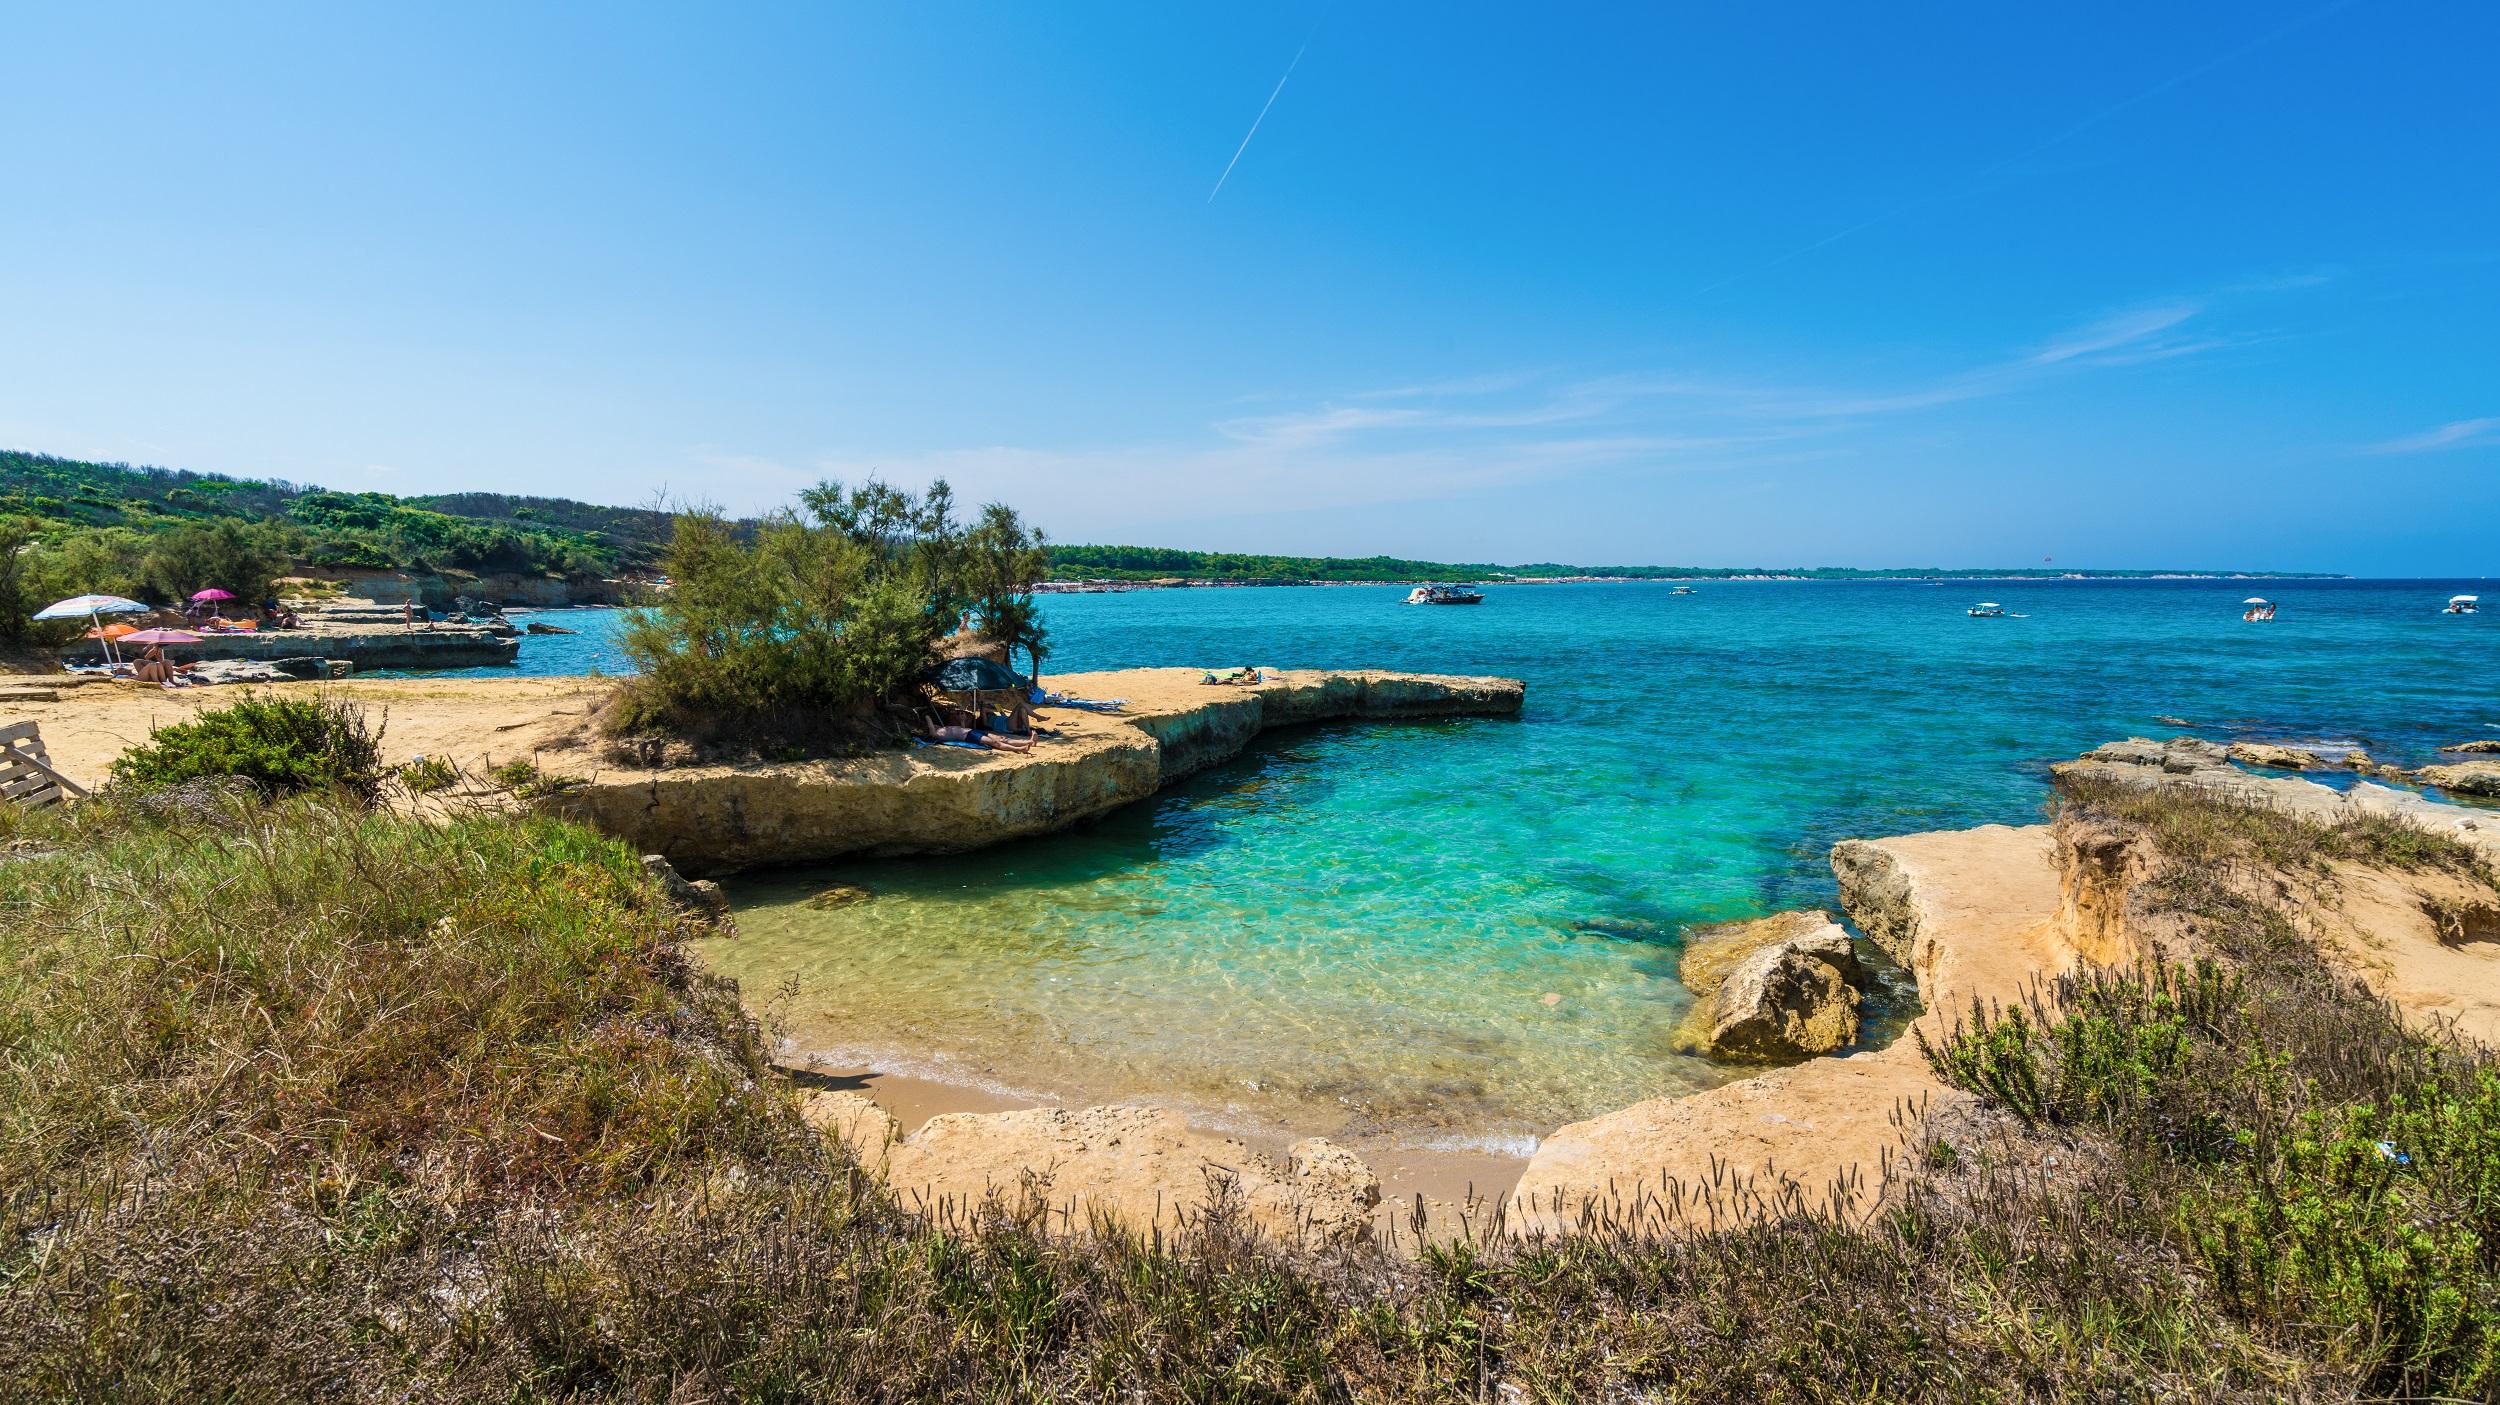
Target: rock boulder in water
(2281,758)
(1783,987)
(2484,747)
(2465,778)
(1789,1001)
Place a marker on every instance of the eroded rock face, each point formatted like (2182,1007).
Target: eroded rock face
(1138,1166)
(2476,747)
(1788,1001)
(718,819)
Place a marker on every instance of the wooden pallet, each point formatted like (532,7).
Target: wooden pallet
(26,774)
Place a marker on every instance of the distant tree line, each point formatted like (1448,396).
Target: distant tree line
(73,527)
(1161,563)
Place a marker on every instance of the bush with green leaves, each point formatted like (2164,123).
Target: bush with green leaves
(280,744)
(804,628)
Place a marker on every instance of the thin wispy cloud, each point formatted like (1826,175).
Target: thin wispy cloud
(2456,434)
(1453,437)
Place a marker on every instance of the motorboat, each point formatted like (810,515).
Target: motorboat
(2259,610)
(1683,590)
(2463,605)
(1990,610)
(1445,595)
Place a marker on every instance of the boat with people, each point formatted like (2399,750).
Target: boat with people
(1445,595)
(1991,610)
(2463,604)
(2259,609)
(1683,590)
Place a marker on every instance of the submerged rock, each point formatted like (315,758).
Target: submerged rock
(536,628)
(839,895)
(2485,747)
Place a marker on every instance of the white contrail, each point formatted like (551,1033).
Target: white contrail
(1254,124)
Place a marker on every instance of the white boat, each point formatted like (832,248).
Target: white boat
(1990,610)
(1683,590)
(2259,609)
(1444,595)
(2464,604)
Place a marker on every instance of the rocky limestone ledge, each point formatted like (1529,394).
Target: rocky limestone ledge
(1138,1166)
(941,800)
(2201,766)
(1973,914)
(364,648)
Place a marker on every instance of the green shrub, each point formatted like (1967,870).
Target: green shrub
(428,774)
(804,628)
(280,744)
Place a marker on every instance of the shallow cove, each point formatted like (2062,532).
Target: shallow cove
(1234,948)
(1364,920)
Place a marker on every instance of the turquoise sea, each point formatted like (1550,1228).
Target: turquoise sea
(1465,933)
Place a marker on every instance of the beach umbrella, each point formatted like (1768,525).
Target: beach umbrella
(93,608)
(212,593)
(977,675)
(2256,600)
(160,636)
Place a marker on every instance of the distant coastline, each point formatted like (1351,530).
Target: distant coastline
(1104,585)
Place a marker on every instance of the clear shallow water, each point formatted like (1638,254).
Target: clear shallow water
(1354,929)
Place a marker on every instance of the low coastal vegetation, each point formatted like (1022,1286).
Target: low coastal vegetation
(814,628)
(301,1098)
(71,527)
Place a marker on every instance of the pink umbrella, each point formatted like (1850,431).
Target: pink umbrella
(212,593)
(160,636)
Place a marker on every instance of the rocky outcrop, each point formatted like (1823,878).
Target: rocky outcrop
(1140,1167)
(940,800)
(2474,748)
(387,647)
(1783,987)
(702,899)
(1789,1001)
(1971,913)
(2281,758)
(2477,778)
(2186,763)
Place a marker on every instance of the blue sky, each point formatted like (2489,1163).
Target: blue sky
(2118,284)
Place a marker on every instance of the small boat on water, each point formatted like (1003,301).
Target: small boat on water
(1991,610)
(2463,604)
(1445,595)
(2259,610)
(1683,590)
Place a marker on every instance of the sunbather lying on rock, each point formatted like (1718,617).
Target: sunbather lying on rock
(995,741)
